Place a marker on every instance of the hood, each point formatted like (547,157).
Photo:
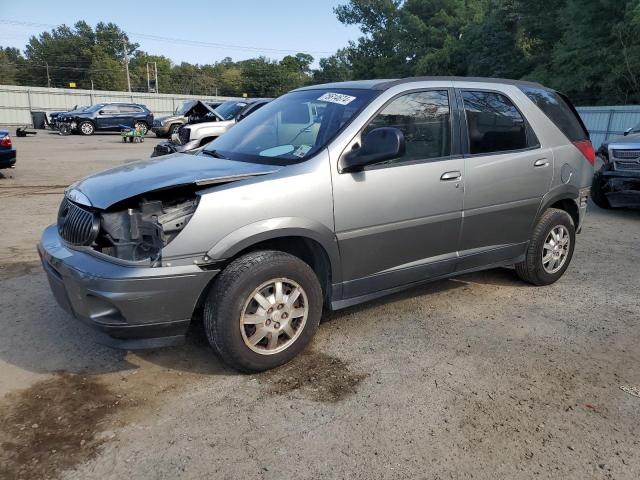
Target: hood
(629,141)
(112,186)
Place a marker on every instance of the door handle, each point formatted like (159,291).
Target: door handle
(448,176)
(541,162)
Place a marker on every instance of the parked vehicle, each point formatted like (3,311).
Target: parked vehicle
(617,182)
(329,196)
(198,134)
(108,116)
(191,110)
(7,150)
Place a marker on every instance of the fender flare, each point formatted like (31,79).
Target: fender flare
(274,228)
(561,192)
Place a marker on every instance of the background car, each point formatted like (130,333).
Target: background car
(108,116)
(7,150)
(193,136)
(188,112)
(617,183)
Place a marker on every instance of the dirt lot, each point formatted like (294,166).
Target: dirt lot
(476,377)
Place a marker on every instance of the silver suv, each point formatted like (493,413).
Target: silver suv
(329,196)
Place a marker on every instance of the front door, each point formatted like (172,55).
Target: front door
(507,172)
(399,222)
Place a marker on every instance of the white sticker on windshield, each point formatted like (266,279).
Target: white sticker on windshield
(302,150)
(338,98)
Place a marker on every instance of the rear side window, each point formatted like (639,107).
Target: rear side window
(494,124)
(560,112)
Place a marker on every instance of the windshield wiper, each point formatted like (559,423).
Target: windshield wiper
(214,153)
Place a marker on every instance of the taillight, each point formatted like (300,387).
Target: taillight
(6,141)
(586,148)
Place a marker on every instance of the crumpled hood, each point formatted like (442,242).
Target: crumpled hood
(112,186)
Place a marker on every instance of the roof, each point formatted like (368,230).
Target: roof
(384,84)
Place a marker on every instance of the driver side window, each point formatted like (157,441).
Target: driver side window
(424,118)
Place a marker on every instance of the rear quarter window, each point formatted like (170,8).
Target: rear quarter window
(560,111)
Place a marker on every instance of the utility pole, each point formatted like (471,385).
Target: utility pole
(126,61)
(155,67)
(48,78)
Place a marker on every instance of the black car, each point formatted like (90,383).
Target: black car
(7,150)
(617,183)
(108,116)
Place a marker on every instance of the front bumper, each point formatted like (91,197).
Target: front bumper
(160,130)
(7,158)
(622,188)
(135,306)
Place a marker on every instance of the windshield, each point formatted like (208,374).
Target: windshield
(228,110)
(291,128)
(95,108)
(185,107)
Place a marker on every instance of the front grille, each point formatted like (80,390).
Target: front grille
(184,134)
(77,225)
(156,123)
(626,154)
(627,164)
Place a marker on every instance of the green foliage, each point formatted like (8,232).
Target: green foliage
(589,49)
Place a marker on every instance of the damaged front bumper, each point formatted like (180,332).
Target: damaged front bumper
(621,188)
(135,306)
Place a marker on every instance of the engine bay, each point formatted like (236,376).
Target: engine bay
(140,231)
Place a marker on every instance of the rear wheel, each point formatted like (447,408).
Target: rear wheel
(262,310)
(550,250)
(142,126)
(86,128)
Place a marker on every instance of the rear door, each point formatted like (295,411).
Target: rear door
(398,222)
(507,173)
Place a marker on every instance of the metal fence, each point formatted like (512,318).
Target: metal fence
(606,122)
(17,103)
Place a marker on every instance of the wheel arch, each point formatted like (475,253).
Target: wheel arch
(312,242)
(564,197)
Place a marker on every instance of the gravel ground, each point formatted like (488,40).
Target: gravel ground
(481,376)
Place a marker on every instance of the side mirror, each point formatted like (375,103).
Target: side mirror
(628,131)
(380,144)
(101,112)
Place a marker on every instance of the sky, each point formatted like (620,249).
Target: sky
(273,28)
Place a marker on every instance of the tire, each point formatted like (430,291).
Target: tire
(230,302)
(174,129)
(143,126)
(597,195)
(86,128)
(533,269)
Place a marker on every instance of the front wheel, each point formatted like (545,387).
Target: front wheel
(550,250)
(86,128)
(174,129)
(262,310)
(597,194)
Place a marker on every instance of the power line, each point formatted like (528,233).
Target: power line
(183,41)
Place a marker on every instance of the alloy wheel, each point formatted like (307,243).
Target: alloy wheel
(555,250)
(274,316)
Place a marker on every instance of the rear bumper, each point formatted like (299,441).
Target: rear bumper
(132,306)
(7,158)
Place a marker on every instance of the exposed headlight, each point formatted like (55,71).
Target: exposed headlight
(141,233)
